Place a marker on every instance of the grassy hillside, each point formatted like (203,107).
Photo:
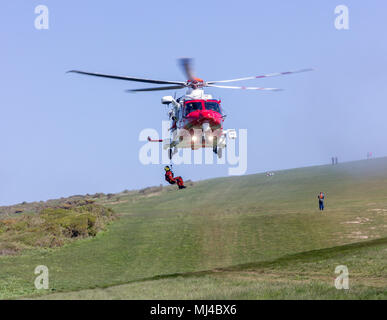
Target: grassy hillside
(307,275)
(239,237)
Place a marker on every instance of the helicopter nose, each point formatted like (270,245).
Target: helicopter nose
(210,117)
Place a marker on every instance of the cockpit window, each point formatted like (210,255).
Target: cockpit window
(212,105)
(192,106)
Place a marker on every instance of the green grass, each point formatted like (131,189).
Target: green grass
(248,237)
(308,275)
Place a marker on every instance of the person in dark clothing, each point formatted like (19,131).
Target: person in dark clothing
(321,198)
(172,180)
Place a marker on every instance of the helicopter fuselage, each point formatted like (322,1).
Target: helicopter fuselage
(196,121)
(199,113)
(197,110)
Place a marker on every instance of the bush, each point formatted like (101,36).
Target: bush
(151,190)
(54,226)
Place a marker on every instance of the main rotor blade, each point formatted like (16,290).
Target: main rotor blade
(186,65)
(127,78)
(244,88)
(262,76)
(156,89)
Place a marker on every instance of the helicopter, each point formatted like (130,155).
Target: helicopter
(196,117)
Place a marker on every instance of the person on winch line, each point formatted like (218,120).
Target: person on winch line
(172,180)
(321,198)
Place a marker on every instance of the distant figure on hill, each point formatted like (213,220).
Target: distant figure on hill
(321,198)
(333,160)
(336,160)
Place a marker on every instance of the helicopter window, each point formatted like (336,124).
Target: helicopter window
(192,106)
(212,105)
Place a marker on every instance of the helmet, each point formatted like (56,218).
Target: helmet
(166,168)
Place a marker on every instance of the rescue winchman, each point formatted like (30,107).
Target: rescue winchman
(172,180)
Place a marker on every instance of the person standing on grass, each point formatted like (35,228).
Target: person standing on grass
(321,198)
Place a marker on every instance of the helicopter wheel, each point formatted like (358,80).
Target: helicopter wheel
(219,152)
(215,145)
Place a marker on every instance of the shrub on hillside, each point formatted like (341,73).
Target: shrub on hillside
(54,226)
(150,190)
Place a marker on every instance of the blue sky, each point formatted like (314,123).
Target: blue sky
(67,134)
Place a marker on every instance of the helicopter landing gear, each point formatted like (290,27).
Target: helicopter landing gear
(171,152)
(215,145)
(220,152)
(216,149)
